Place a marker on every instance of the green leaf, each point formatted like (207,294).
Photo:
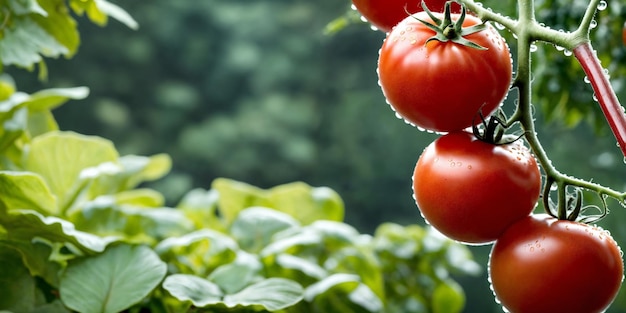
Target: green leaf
(59,24)
(22,7)
(117,13)
(342,293)
(235,196)
(105,217)
(27,224)
(24,190)
(26,42)
(59,157)
(272,294)
(291,262)
(48,99)
(35,257)
(112,281)
(198,290)
(448,297)
(235,276)
(347,282)
(254,227)
(18,292)
(198,252)
(200,206)
(41,122)
(307,204)
(128,172)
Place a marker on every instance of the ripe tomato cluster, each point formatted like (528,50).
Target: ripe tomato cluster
(443,71)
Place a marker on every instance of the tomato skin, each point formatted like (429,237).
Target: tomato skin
(385,14)
(541,264)
(441,86)
(470,190)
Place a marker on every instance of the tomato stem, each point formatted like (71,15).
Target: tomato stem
(612,109)
(527,31)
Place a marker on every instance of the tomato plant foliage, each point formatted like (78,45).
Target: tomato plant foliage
(79,232)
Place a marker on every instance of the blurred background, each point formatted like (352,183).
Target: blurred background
(258,91)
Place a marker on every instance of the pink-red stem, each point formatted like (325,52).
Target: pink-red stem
(612,109)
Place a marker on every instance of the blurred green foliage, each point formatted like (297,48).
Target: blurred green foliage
(257,91)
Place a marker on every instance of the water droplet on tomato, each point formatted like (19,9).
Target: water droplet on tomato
(586,79)
(363,19)
(567,52)
(353,7)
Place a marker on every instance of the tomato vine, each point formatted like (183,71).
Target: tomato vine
(528,30)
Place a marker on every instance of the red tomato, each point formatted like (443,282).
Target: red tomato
(541,264)
(441,86)
(385,14)
(470,190)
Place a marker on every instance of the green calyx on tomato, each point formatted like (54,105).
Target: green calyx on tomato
(448,30)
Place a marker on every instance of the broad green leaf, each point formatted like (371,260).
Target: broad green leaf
(9,105)
(198,252)
(59,157)
(359,260)
(127,173)
(332,293)
(13,128)
(41,122)
(105,217)
(35,257)
(141,197)
(349,282)
(7,87)
(448,297)
(366,298)
(18,292)
(271,294)
(142,168)
(200,206)
(233,277)
(48,99)
(28,224)
(291,262)
(459,258)
(254,227)
(22,7)
(198,290)
(399,241)
(116,12)
(307,204)
(24,190)
(26,42)
(59,24)
(235,196)
(112,281)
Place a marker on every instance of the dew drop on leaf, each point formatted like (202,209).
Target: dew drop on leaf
(602,5)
